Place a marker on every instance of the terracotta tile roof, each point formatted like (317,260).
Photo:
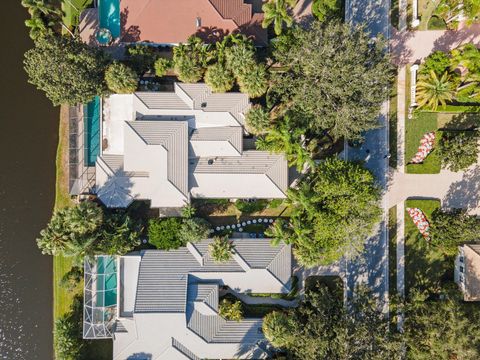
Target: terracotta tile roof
(173,21)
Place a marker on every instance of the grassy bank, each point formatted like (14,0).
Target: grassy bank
(62,299)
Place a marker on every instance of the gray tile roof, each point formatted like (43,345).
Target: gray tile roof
(232,134)
(163,275)
(186,352)
(173,136)
(162,100)
(251,162)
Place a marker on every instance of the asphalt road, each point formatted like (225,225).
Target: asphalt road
(372,266)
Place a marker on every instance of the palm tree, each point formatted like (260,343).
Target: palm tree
(277,12)
(221,249)
(253,81)
(37,7)
(276,328)
(219,78)
(433,91)
(37,27)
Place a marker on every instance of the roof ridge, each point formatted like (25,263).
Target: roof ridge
(234,15)
(281,252)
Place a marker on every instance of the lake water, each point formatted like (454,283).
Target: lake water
(28,139)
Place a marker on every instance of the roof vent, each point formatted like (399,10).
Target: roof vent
(210,161)
(203,105)
(198,22)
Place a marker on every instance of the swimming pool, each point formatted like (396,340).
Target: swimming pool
(106,281)
(91,118)
(109,16)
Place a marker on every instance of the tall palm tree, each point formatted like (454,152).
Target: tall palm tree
(36,7)
(37,27)
(277,12)
(433,91)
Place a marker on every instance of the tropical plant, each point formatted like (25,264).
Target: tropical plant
(37,27)
(141,58)
(253,81)
(351,73)
(191,59)
(221,249)
(277,12)
(287,139)
(69,71)
(230,310)
(86,230)
(438,61)
(333,212)
(240,56)
(248,206)
(459,149)
(161,66)
(72,230)
(121,79)
(325,10)
(219,78)
(257,120)
(72,278)
(40,7)
(188,211)
(193,230)
(163,233)
(276,329)
(433,91)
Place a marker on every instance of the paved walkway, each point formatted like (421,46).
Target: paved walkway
(409,46)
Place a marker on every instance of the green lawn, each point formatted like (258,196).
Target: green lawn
(458,121)
(422,123)
(393,125)
(392,250)
(425,266)
(72,9)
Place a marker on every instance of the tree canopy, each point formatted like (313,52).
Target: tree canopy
(221,249)
(334,210)
(121,79)
(351,75)
(459,149)
(69,71)
(442,329)
(86,230)
(322,328)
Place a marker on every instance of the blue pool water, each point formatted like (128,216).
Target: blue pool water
(91,113)
(106,281)
(109,14)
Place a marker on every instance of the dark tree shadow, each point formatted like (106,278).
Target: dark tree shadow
(211,34)
(463,121)
(464,194)
(400,52)
(132,34)
(454,38)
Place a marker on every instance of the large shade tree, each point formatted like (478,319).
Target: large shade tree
(121,79)
(442,329)
(334,210)
(459,149)
(69,71)
(322,328)
(336,74)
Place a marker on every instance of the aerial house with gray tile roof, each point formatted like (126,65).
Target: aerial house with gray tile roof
(169,147)
(166,302)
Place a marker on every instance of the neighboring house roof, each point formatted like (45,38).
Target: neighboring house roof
(168,146)
(471,272)
(177,299)
(174,21)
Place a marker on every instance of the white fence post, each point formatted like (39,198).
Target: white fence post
(413,84)
(415,20)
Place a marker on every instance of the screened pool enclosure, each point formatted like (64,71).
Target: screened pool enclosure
(100,297)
